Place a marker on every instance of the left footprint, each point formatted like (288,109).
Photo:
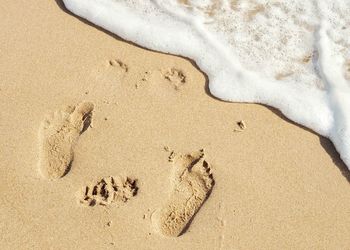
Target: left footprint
(58,136)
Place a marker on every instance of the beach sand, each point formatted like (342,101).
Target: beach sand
(264,183)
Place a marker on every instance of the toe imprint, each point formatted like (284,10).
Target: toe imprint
(119,64)
(176,77)
(108,190)
(58,136)
(193,183)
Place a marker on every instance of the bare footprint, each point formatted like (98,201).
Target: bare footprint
(176,77)
(108,190)
(58,136)
(193,183)
(119,65)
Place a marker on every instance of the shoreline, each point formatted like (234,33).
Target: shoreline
(277,184)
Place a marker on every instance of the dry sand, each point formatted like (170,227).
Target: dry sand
(274,185)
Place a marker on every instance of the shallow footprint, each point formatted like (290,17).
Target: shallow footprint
(193,183)
(107,191)
(58,136)
(176,77)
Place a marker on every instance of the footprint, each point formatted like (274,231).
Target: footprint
(108,190)
(176,77)
(119,64)
(173,77)
(58,136)
(193,183)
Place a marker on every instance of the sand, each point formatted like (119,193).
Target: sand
(272,184)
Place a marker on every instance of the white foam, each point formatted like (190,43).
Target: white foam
(292,55)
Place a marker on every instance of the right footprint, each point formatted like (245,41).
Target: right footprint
(193,183)
(58,136)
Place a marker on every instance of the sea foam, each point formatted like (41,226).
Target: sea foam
(292,55)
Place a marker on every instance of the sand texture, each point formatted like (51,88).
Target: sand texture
(106,145)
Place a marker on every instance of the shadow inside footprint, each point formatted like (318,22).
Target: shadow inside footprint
(87,120)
